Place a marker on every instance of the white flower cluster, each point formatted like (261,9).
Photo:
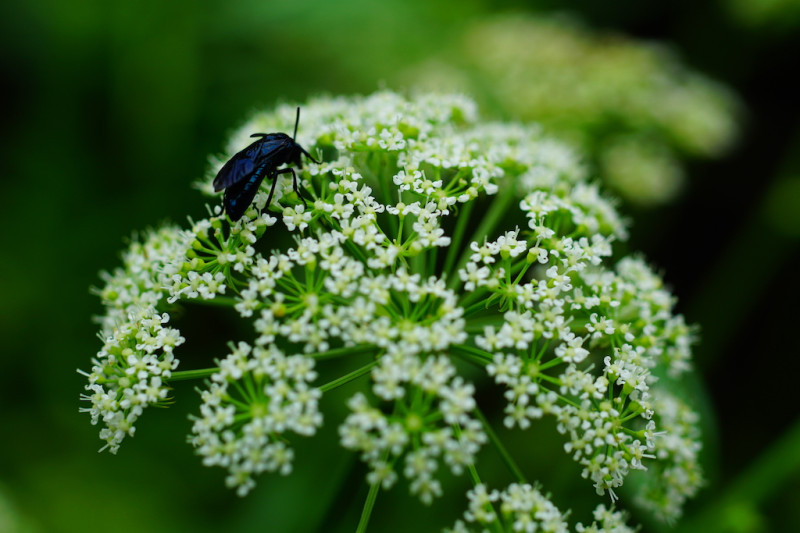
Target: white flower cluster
(525,508)
(130,371)
(406,265)
(430,419)
(204,271)
(606,521)
(541,352)
(257,395)
(521,508)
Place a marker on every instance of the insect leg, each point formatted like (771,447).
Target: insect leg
(274,177)
(296,189)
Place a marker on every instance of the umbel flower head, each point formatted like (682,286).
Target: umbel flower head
(431,242)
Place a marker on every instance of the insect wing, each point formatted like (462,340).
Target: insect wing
(234,171)
(239,196)
(239,167)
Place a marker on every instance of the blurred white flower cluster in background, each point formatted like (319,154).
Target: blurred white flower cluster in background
(631,105)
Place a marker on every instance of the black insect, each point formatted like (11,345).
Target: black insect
(242,175)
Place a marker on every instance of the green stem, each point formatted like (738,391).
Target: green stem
(525,265)
(219,301)
(185,375)
(474,355)
(507,459)
(458,236)
(477,294)
(340,352)
(497,526)
(385,184)
(476,325)
(355,249)
(478,306)
(368,505)
(473,473)
(432,257)
(355,374)
(419,263)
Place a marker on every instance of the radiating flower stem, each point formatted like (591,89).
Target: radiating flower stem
(474,355)
(348,377)
(463,216)
(218,301)
(368,505)
(497,526)
(185,375)
(498,444)
(340,352)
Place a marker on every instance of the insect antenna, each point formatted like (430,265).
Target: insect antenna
(296,121)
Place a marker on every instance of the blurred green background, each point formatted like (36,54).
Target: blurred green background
(110,110)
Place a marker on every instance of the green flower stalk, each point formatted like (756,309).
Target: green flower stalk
(432,241)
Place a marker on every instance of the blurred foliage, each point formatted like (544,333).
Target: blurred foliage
(111,110)
(630,105)
(777,15)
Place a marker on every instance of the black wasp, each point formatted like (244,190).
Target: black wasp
(242,175)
